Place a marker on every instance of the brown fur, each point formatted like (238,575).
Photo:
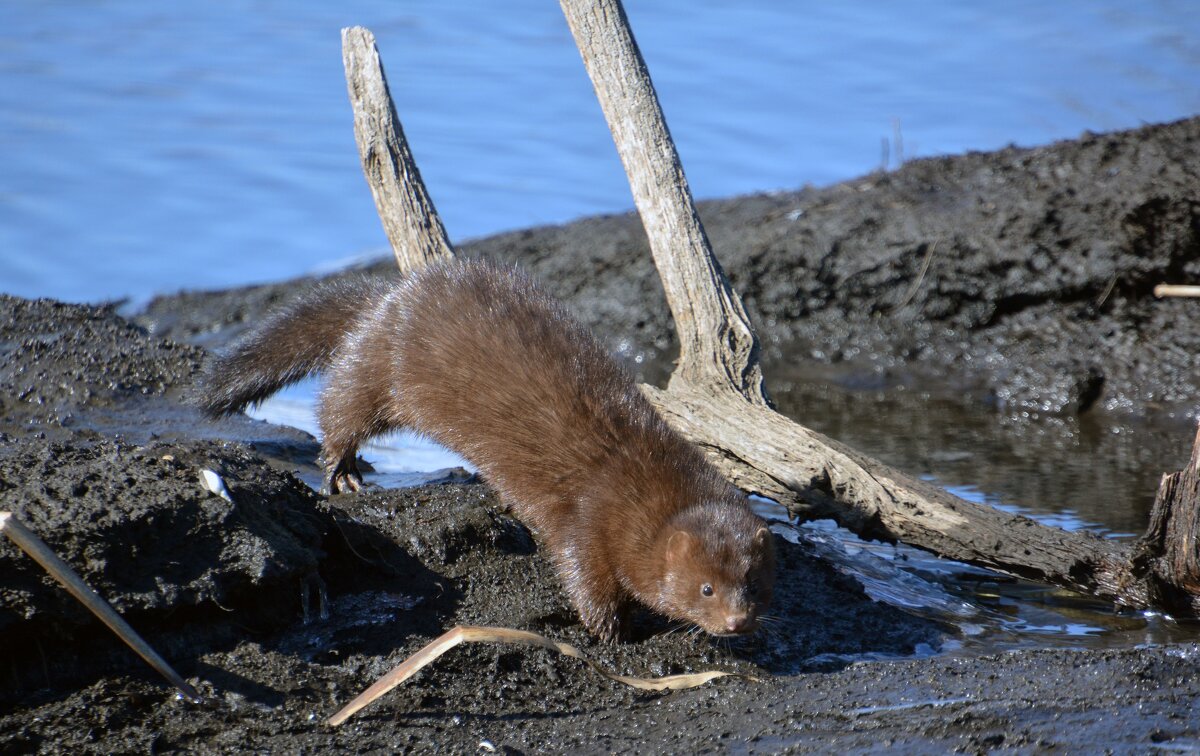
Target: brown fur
(478,359)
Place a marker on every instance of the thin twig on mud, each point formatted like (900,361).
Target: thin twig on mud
(912,290)
(36,548)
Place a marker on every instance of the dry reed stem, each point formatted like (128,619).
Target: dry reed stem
(476,634)
(36,548)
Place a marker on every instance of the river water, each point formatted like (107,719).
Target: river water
(150,146)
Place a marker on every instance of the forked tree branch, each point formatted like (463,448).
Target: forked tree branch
(410,220)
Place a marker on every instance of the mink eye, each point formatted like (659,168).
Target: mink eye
(752,588)
(706,589)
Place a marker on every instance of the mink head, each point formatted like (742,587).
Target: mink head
(719,568)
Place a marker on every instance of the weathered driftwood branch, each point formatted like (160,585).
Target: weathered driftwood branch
(409,219)
(1169,554)
(718,349)
(716,396)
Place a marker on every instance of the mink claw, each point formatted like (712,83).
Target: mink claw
(343,478)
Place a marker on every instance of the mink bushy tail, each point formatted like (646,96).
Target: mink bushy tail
(290,345)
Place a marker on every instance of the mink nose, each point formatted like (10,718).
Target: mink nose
(739,623)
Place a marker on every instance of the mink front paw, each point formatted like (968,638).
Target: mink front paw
(609,624)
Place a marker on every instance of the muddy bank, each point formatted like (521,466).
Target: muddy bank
(1025,275)
(283,604)
(401,566)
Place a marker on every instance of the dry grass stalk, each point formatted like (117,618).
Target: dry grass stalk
(36,548)
(475,634)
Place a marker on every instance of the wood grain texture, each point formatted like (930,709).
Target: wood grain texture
(717,343)
(409,218)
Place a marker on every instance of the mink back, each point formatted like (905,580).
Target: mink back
(489,365)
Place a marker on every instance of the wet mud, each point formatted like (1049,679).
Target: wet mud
(1021,278)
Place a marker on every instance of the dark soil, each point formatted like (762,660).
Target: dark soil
(282,605)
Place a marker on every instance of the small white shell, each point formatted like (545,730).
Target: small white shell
(213,482)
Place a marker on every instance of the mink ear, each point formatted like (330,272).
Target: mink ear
(678,545)
(762,537)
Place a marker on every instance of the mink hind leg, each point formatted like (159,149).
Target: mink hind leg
(351,410)
(339,450)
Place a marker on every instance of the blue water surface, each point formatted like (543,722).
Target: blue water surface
(148,147)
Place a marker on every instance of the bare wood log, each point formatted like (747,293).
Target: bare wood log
(817,478)
(716,396)
(719,345)
(1169,553)
(409,218)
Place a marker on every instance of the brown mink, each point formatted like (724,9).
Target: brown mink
(476,357)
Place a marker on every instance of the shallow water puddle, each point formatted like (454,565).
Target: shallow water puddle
(1096,473)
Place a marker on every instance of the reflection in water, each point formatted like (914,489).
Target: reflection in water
(1096,473)
(150,146)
